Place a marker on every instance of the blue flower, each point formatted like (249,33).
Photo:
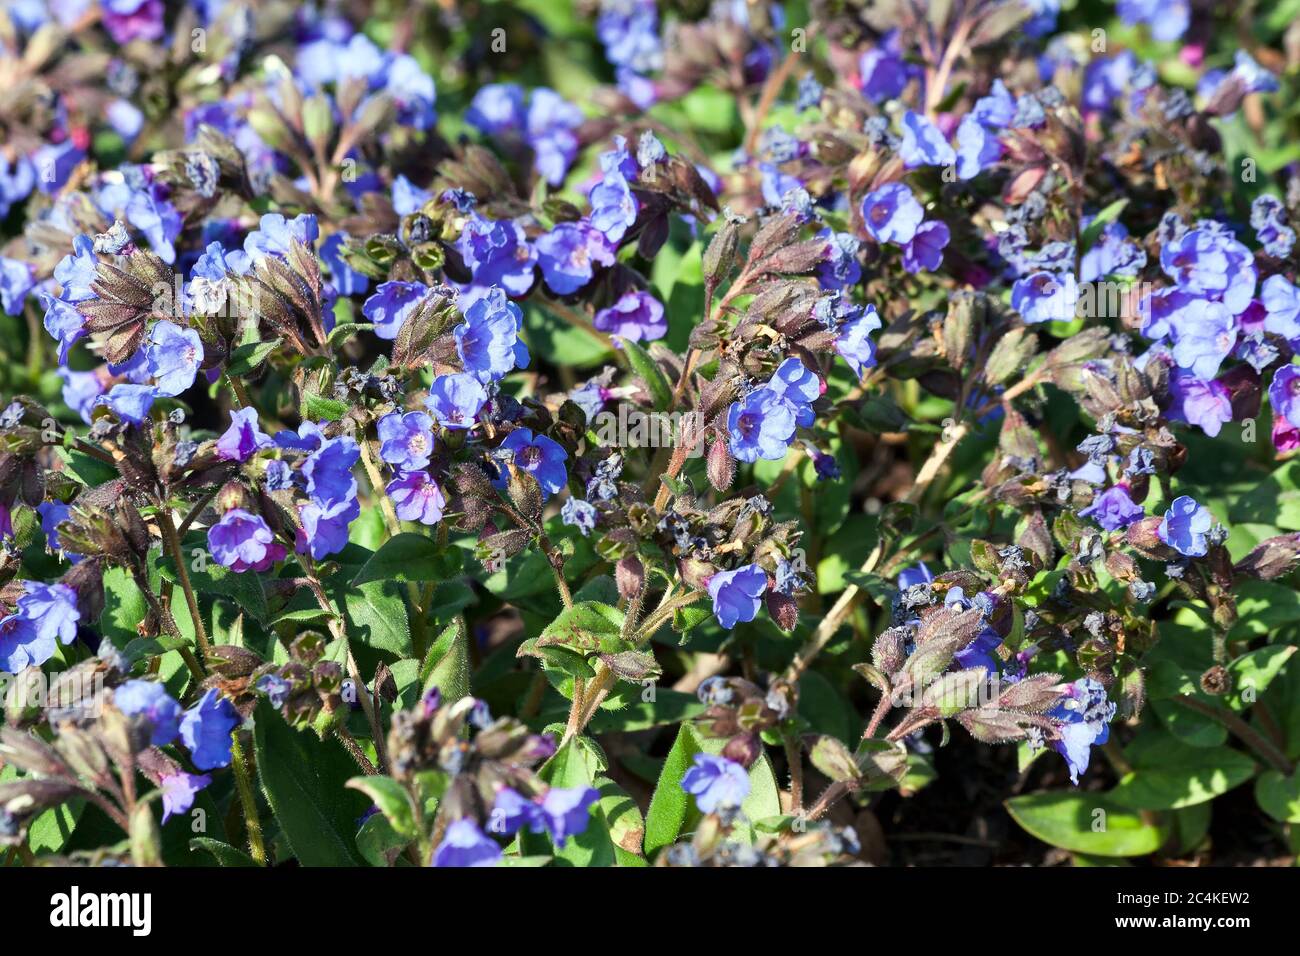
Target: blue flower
(1168,19)
(539,456)
(1268,219)
(417,497)
(456,400)
(406,439)
(882,71)
(978,147)
(174,354)
(1083,718)
(613,207)
(16,182)
(464,844)
(1209,262)
(637,315)
(131,403)
(568,254)
(716,783)
(53,514)
(891,213)
(550,128)
(1045,297)
(840,268)
(1043,14)
(853,341)
(328,471)
(579,514)
(347,281)
(150,701)
(17,279)
(497,109)
(20,644)
(1204,334)
(497,254)
(1185,525)
(391,305)
(761,425)
(488,340)
(275,234)
(737,595)
(910,577)
(413,91)
(565,812)
(1284,394)
(243,438)
(324,528)
(799,387)
(1281,302)
(206,729)
(923,144)
(1113,509)
(925,250)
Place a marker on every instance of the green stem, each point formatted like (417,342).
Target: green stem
(248,801)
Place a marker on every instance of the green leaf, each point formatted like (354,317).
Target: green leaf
(668,806)
(446,665)
(377,618)
(377,839)
(317,407)
(1168,774)
(392,800)
(650,373)
(1087,823)
(1279,796)
(625,823)
(247,357)
(305,782)
(225,854)
(587,627)
(1253,672)
(408,557)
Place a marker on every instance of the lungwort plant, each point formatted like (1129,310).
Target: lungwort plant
(625,434)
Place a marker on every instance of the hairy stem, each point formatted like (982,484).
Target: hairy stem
(248,801)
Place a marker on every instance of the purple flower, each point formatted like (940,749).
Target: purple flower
(51,609)
(1185,525)
(1113,509)
(406,440)
(174,354)
(20,644)
(882,72)
(1205,403)
(925,251)
(1268,219)
(17,279)
(716,783)
(637,315)
(853,341)
(179,790)
(923,144)
(488,340)
(539,456)
(891,213)
(1209,262)
(390,305)
(496,253)
(579,514)
(149,700)
(130,403)
(1284,394)
(456,400)
(16,182)
(243,542)
(1083,718)
(206,729)
(737,595)
(127,20)
(761,425)
(1045,297)
(613,207)
(328,471)
(1043,14)
(568,253)
(417,497)
(464,844)
(243,438)
(55,163)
